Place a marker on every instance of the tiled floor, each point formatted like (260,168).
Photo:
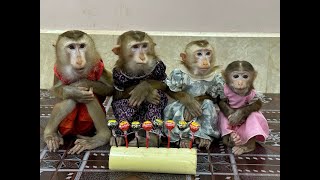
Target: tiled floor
(261,164)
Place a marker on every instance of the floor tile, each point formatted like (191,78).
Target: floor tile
(96,165)
(64,176)
(46,175)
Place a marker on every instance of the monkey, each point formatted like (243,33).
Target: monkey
(240,121)
(134,74)
(81,83)
(198,75)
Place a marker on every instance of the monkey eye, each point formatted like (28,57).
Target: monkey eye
(199,54)
(245,76)
(235,76)
(208,53)
(82,45)
(135,46)
(145,45)
(71,46)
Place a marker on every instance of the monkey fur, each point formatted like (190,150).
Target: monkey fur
(239,77)
(81,83)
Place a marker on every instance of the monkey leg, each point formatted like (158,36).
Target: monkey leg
(103,134)
(59,112)
(247,147)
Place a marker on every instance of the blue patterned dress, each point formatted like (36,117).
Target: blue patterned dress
(146,110)
(181,80)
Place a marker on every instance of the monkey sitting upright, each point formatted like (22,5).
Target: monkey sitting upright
(241,122)
(82,83)
(134,71)
(197,76)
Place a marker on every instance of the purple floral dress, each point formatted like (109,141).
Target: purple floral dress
(146,111)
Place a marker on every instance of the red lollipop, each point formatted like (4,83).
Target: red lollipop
(147,126)
(170,124)
(194,127)
(124,126)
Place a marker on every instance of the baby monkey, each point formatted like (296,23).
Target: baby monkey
(241,122)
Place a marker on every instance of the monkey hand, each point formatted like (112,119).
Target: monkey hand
(187,116)
(153,97)
(79,94)
(139,94)
(192,105)
(87,143)
(53,141)
(236,118)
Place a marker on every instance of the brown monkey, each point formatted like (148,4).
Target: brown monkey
(241,122)
(135,71)
(82,83)
(197,76)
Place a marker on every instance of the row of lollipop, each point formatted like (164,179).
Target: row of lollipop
(148,126)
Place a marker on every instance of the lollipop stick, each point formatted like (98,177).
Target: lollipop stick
(125,137)
(136,134)
(159,140)
(114,136)
(191,141)
(115,140)
(147,139)
(168,139)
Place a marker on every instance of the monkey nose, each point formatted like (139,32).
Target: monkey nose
(142,57)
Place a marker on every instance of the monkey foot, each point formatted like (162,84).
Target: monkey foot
(238,150)
(184,143)
(203,142)
(235,138)
(53,141)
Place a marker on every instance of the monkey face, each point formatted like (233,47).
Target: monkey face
(240,81)
(77,52)
(138,52)
(200,59)
(203,57)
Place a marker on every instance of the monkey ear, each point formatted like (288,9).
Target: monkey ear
(255,73)
(183,56)
(116,50)
(223,73)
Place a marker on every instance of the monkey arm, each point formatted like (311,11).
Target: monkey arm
(225,108)
(248,109)
(200,99)
(155,84)
(240,115)
(102,87)
(191,104)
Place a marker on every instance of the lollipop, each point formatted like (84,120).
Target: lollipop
(135,125)
(124,126)
(169,125)
(112,125)
(182,125)
(194,127)
(147,126)
(158,123)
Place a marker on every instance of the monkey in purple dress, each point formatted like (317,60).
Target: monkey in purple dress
(138,94)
